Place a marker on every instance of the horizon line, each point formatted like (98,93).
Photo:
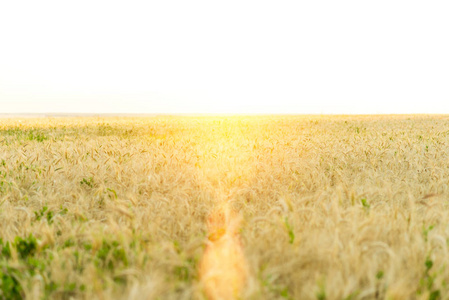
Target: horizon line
(106,114)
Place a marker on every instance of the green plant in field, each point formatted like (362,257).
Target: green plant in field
(187,270)
(5,249)
(37,136)
(111,255)
(427,282)
(26,247)
(426,230)
(275,289)
(321,293)
(29,265)
(46,214)
(352,296)
(380,275)
(113,192)
(290,231)
(30,134)
(10,288)
(87,181)
(182,273)
(365,203)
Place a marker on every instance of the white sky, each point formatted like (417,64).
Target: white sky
(382,56)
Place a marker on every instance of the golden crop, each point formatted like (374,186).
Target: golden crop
(266,207)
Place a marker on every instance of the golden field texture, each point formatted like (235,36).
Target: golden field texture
(266,207)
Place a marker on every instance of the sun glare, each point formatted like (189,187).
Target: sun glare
(223,268)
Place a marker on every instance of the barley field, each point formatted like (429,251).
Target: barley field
(225,207)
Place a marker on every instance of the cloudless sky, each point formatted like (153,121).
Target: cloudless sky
(383,56)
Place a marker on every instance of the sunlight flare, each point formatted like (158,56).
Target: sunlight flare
(223,269)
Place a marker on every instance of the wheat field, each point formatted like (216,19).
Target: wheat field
(225,207)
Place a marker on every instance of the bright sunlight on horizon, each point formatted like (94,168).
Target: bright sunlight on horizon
(224,57)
